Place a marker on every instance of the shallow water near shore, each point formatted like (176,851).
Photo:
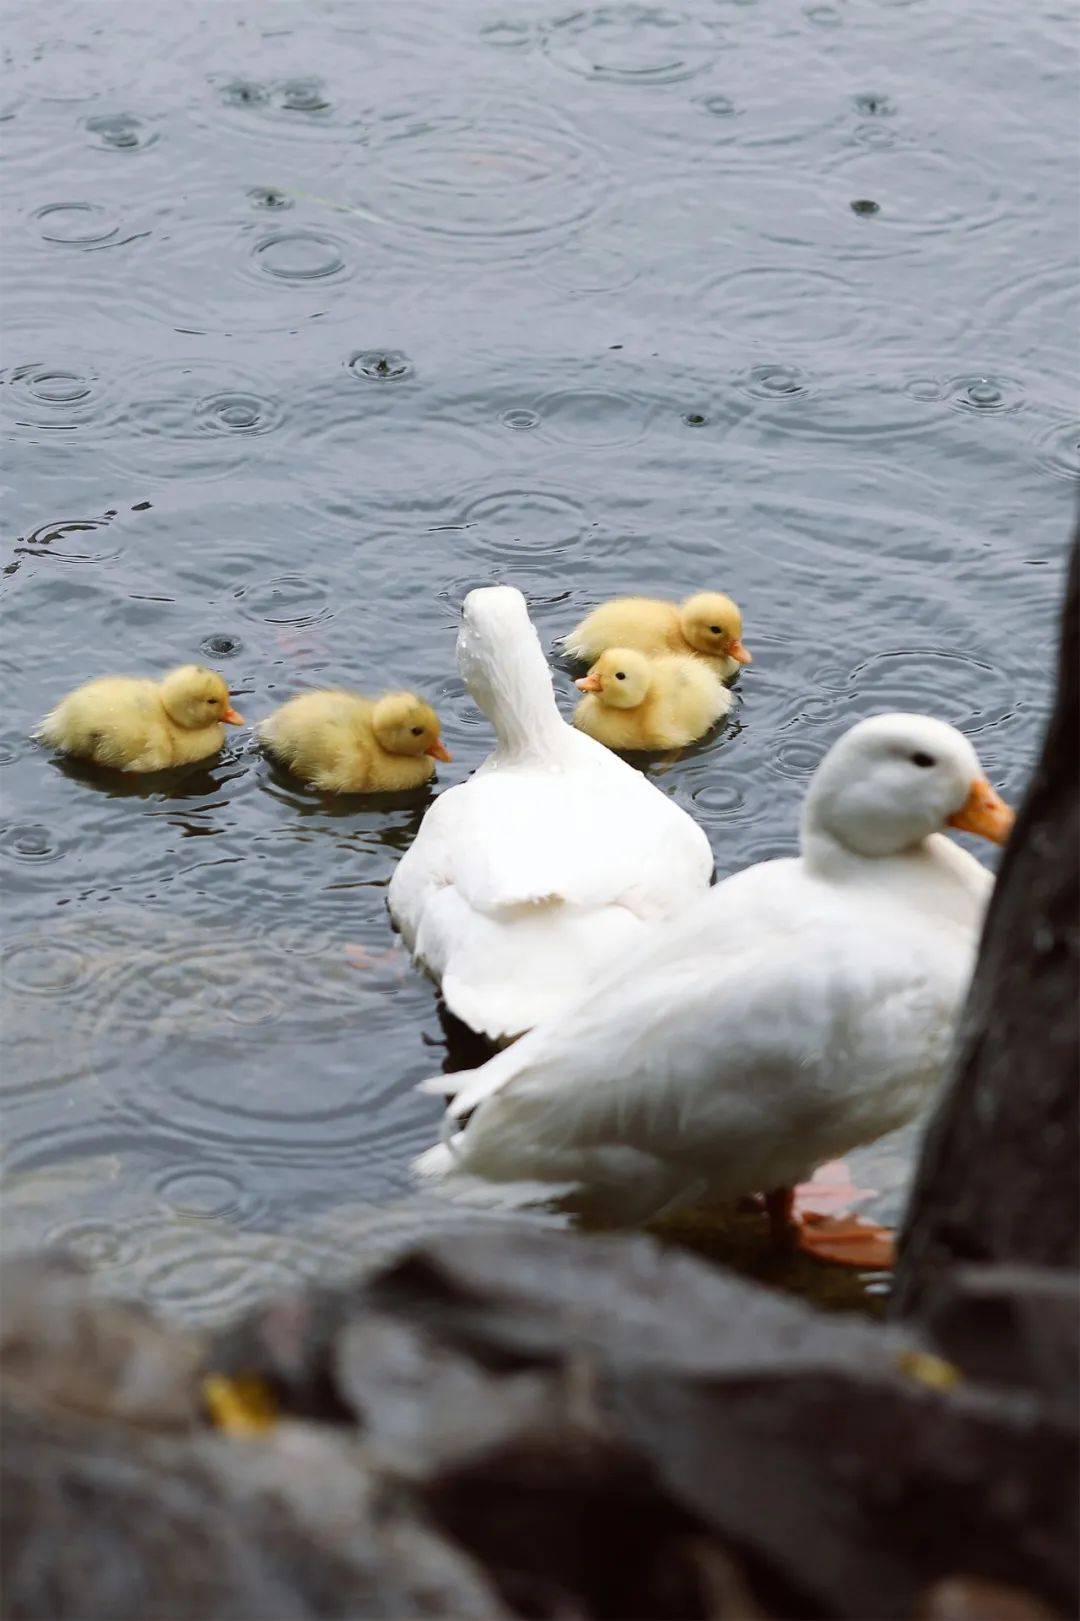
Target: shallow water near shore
(318,316)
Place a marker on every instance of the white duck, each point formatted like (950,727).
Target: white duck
(804,1006)
(531,878)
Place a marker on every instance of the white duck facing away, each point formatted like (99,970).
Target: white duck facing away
(801,1008)
(535,876)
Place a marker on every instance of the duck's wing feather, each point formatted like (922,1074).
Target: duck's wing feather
(521,886)
(700,1052)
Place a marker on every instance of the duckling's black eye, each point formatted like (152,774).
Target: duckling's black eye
(620,675)
(715,629)
(919,758)
(418,731)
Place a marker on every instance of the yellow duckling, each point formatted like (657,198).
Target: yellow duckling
(347,744)
(708,624)
(638,703)
(138,725)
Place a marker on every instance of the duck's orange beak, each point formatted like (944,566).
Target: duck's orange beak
(984,812)
(739,653)
(231,718)
(589,683)
(438,750)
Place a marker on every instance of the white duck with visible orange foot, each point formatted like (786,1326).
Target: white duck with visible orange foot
(804,1007)
(531,878)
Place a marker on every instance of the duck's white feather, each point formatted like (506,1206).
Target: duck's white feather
(528,880)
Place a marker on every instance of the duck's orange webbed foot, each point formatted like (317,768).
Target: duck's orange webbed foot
(816,1218)
(847,1241)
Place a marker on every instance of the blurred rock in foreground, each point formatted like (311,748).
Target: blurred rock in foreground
(999,1178)
(541,1425)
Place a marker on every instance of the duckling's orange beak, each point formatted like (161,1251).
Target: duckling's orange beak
(231,718)
(739,653)
(589,683)
(985,812)
(438,750)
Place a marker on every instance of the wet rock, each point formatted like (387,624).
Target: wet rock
(103,1523)
(999,1177)
(528,1423)
(1014,1327)
(61,1347)
(966,1598)
(530,1385)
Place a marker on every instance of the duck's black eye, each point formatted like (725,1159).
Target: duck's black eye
(418,731)
(919,758)
(620,675)
(715,629)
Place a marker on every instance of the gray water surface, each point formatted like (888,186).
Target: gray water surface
(318,315)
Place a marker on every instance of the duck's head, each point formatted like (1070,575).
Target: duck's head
(194,697)
(405,724)
(712,624)
(501,660)
(892,781)
(620,677)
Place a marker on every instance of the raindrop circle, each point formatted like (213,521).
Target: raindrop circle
(120,132)
(38,968)
(380,365)
(527,524)
(923,388)
(521,419)
(631,44)
(507,34)
(28,841)
(984,395)
(57,387)
(221,646)
(287,599)
(243,93)
(515,172)
(270,198)
(775,382)
(797,759)
(201,1194)
(76,225)
(719,106)
(593,417)
(97,1242)
(299,256)
(1058,449)
(719,801)
(782,306)
(235,413)
(302,96)
(872,105)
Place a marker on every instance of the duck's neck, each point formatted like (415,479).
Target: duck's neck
(932,875)
(515,693)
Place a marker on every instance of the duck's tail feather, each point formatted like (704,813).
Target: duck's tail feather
(434,1163)
(443,1086)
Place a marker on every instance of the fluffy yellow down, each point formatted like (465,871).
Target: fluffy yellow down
(708,624)
(345,743)
(139,725)
(634,702)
